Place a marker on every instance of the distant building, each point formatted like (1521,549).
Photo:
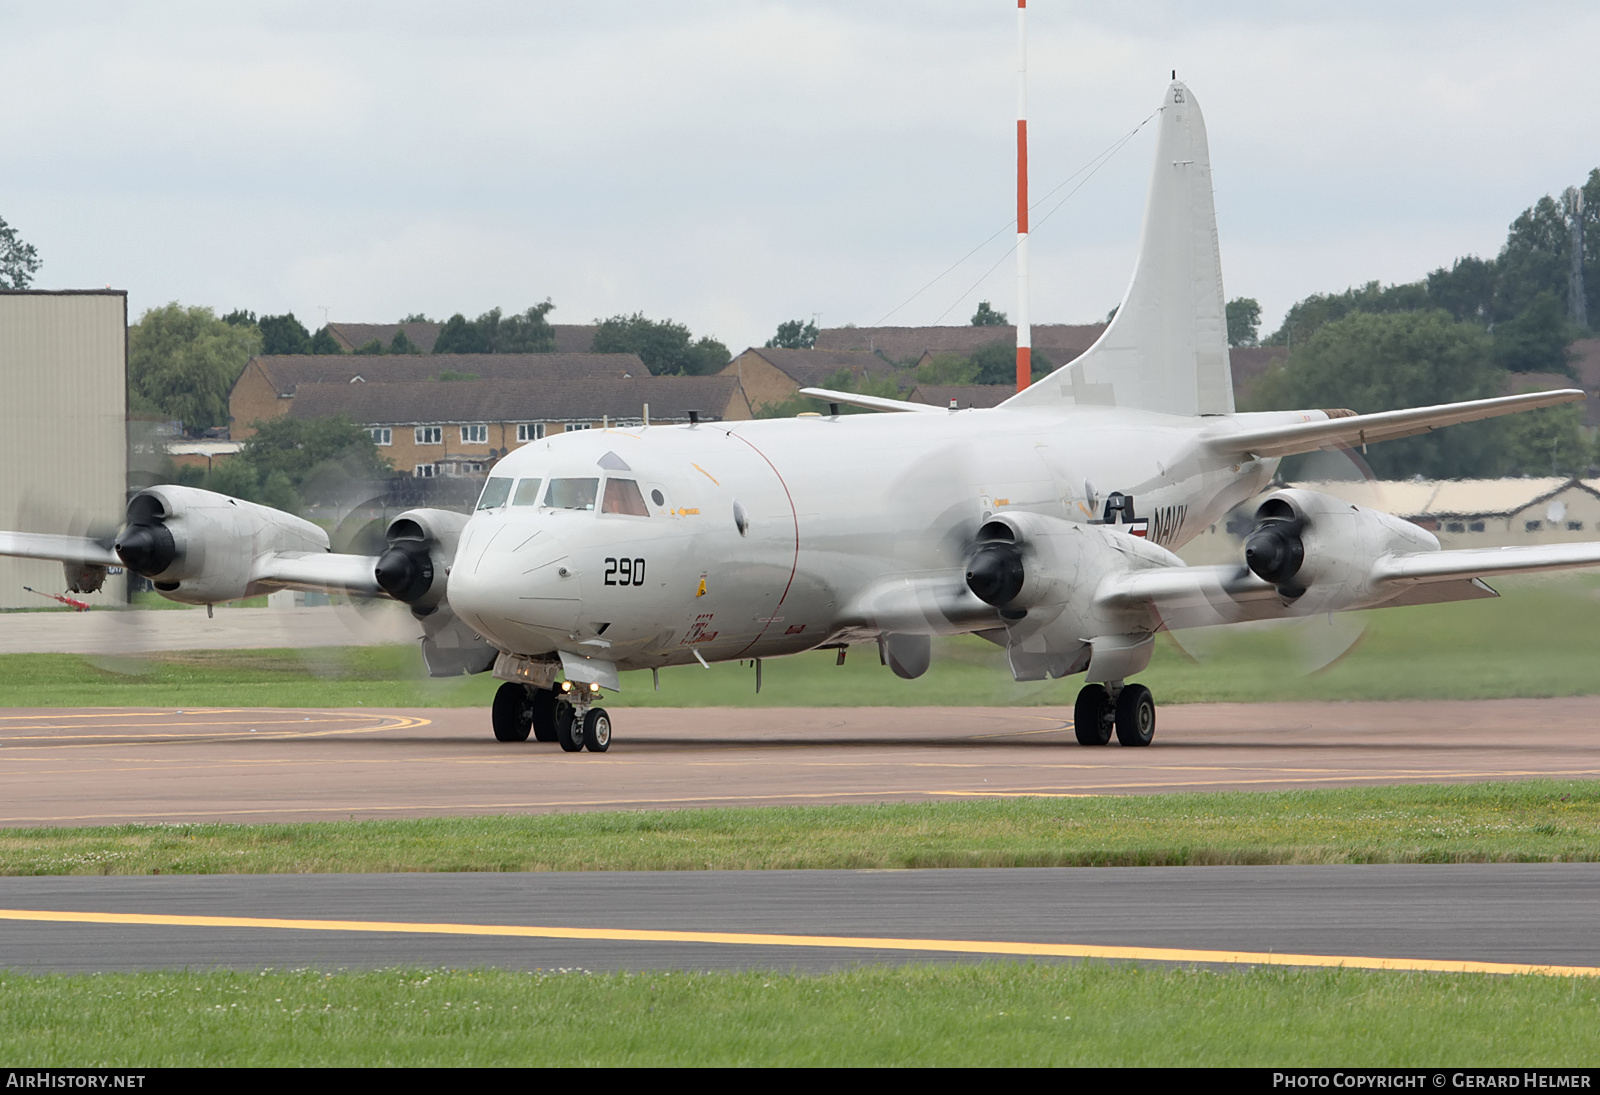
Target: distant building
(266,388)
(1060,342)
(571,338)
(430,428)
(64,368)
(768,376)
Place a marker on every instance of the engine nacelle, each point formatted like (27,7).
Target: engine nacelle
(1304,541)
(199,547)
(415,567)
(1026,560)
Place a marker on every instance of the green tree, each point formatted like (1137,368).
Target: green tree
(19,261)
(371,346)
(415,317)
(1244,321)
(1551,441)
(948,369)
(527,332)
(285,335)
(885,386)
(182,363)
(665,347)
(1466,290)
(400,344)
(1307,316)
(290,461)
(240,317)
(1535,258)
(1373,362)
(794,335)
(1536,340)
(323,342)
(986,316)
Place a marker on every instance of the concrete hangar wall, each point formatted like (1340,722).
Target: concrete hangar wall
(64,446)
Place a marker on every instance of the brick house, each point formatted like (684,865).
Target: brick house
(267,386)
(432,428)
(770,376)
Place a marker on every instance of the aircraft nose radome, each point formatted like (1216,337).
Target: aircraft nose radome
(519,588)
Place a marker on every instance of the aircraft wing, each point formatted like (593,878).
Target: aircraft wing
(1203,596)
(870,402)
(66,549)
(1362,429)
(318,571)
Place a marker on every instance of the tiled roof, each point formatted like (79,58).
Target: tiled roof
(1060,342)
(568,400)
(810,368)
(287,372)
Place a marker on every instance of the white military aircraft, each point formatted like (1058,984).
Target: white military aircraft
(1045,525)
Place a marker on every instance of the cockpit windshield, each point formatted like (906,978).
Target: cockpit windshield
(495,492)
(527,492)
(572,493)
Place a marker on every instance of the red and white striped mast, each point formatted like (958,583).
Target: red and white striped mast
(1024,327)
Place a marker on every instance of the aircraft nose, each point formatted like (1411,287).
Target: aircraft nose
(517,584)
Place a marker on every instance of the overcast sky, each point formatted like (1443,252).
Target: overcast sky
(732,165)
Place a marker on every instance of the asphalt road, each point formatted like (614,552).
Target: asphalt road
(1539,914)
(106,766)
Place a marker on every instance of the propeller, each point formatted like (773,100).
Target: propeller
(1274,550)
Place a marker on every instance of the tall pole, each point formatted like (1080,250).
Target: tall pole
(1024,327)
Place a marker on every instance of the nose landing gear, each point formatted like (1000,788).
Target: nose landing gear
(567,717)
(1129,709)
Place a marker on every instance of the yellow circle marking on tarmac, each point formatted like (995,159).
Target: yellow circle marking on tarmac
(832,942)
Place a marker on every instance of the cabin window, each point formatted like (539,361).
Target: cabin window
(622,496)
(572,493)
(527,492)
(495,493)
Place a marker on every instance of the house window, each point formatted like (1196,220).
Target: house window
(471,469)
(382,435)
(1455,526)
(578,426)
(1475,526)
(530,431)
(475,435)
(425,471)
(1532,526)
(430,435)
(1574,526)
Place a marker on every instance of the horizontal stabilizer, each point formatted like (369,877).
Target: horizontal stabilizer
(1363,429)
(870,402)
(66,549)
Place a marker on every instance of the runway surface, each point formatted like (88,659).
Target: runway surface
(179,627)
(1434,917)
(105,766)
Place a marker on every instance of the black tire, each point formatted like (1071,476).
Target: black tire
(569,730)
(1091,715)
(1136,715)
(511,714)
(543,703)
(596,730)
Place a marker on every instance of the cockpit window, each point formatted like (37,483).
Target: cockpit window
(572,493)
(527,493)
(494,493)
(622,496)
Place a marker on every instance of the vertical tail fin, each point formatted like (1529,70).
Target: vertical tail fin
(1166,349)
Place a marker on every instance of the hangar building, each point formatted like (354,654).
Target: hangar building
(63,451)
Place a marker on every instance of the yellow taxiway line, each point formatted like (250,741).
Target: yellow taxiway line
(834,942)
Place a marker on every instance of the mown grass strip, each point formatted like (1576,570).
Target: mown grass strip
(981,1014)
(1534,821)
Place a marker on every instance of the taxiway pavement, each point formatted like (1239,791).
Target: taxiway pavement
(1431,917)
(108,766)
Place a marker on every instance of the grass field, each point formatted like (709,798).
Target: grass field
(990,1014)
(1536,821)
(1542,638)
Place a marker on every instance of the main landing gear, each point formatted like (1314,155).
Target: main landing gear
(565,714)
(1129,709)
